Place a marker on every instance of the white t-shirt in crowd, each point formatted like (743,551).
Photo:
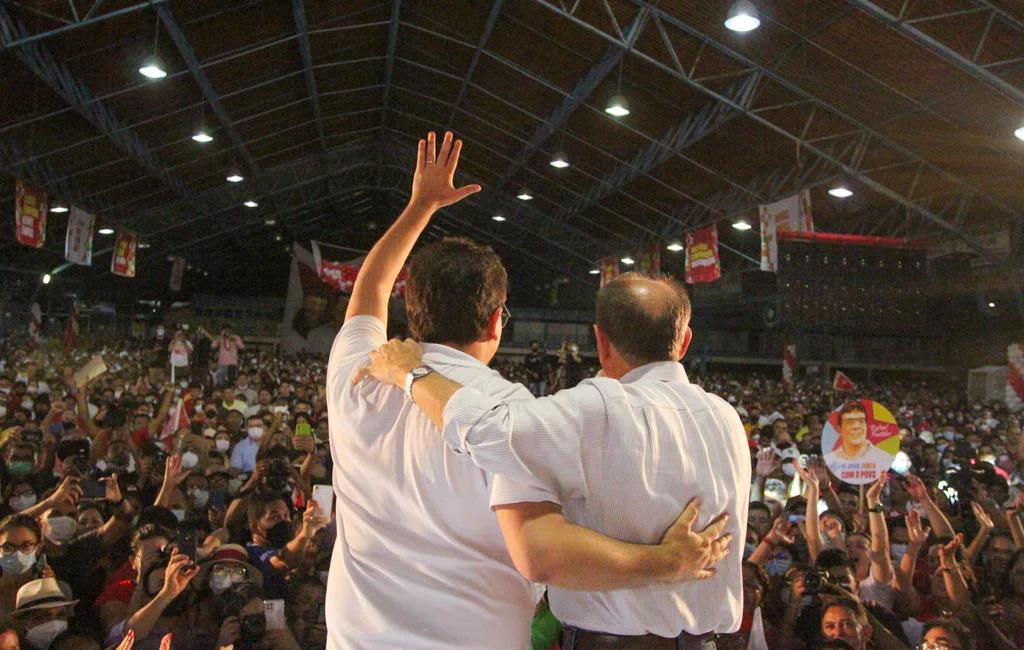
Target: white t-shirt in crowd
(420,561)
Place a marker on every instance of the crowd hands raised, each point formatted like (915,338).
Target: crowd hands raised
(143,513)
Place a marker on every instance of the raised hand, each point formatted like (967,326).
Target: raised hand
(916,534)
(127,642)
(781,533)
(312,520)
(165,643)
(767,463)
(697,552)
(174,473)
(916,489)
(179,572)
(807,475)
(391,362)
(113,490)
(982,517)
(874,494)
(947,552)
(433,184)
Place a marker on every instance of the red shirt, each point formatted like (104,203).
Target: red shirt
(119,586)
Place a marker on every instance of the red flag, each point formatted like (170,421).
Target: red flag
(789,363)
(648,261)
(35,325)
(30,209)
(609,269)
(177,419)
(122,262)
(71,329)
(702,263)
(842,382)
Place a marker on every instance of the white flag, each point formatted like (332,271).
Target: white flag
(793,213)
(78,242)
(769,244)
(177,271)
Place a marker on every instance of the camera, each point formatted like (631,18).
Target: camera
(278,473)
(814,579)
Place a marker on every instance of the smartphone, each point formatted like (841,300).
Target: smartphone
(324,496)
(803,461)
(218,499)
(273,611)
(797,519)
(187,543)
(303,429)
(93,489)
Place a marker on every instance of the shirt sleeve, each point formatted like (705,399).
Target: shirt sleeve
(536,444)
(236,456)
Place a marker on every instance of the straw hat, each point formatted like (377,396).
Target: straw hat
(44,593)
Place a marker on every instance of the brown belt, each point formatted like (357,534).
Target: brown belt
(573,638)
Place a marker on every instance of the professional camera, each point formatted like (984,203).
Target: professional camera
(278,473)
(814,579)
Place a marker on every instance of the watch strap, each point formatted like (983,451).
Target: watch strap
(414,374)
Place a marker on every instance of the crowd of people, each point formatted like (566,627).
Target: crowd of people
(135,508)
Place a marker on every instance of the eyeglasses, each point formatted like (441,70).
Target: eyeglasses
(239,572)
(24,547)
(506,315)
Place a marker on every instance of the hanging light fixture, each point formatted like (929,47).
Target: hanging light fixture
(524,195)
(270,221)
(202,135)
(235,176)
(46,278)
(559,160)
(841,192)
(627,260)
(741,225)
(106,231)
(498,217)
(1019,132)
(618,106)
(250,204)
(743,17)
(58,207)
(594,271)
(675,247)
(152,67)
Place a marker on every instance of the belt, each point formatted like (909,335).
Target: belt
(573,638)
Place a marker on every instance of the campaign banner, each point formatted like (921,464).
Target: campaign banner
(122,262)
(790,215)
(78,240)
(609,269)
(859,441)
(789,363)
(30,210)
(648,261)
(177,273)
(702,261)
(71,329)
(1015,377)
(35,324)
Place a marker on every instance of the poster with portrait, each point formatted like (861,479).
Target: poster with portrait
(859,441)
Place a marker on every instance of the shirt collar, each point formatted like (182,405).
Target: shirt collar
(657,371)
(444,354)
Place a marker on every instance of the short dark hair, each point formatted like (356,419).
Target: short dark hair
(953,626)
(833,558)
(759,505)
(454,286)
(642,330)
(258,504)
(10,522)
(849,604)
(852,407)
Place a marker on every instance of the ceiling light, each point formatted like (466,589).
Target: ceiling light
(143,244)
(524,195)
(202,135)
(250,204)
(235,177)
(841,192)
(1019,133)
(743,17)
(618,106)
(152,67)
(559,160)
(498,217)
(59,207)
(675,247)
(270,221)
(46,278)
(594,271)
(628,261)
(742,225)
(277,237)
(991,304)
(106,231)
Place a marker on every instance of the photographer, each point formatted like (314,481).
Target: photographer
(245,626)
(276,549)
(166,583)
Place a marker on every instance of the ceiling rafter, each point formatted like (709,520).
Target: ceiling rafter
(299,15)
(492,19)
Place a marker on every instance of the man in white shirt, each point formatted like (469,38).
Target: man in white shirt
(420,561)
(619,454)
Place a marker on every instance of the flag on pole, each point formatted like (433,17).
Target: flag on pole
(178,419)
(78,240)
(1015,377)
(648,261)
(35,325)
(177,273)
(122,262)
(702,261)
(842,382)
(30,210)
(609,269)
(789,363)
(71,329)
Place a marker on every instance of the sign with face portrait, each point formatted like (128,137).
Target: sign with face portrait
(859,441)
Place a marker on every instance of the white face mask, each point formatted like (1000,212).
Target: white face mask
(41,636)
(219,584)
(898,551)
(200,497)
(255,432)
(60,529)
(178,514)
(788,469)
(23,501)
(17,563)
(222,445)
(189,460)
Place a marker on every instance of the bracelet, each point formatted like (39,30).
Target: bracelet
(878,510)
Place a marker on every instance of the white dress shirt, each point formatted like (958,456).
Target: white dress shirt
(420,561)
(623,458)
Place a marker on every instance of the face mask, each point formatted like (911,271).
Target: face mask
(60,529)
(22,502)
(949,435)
(242,386)
(219,584)
(777,567)
(898,551)
(189,460)
(41,636)
(183,384)
(255,432)
(178,514)
(280,534)
(27,404)
(200,498)
(234,485)
(19,468)
(17,563)
(222,445)
(788,469)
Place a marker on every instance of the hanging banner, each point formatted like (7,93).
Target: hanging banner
(177,273)
(30,210)
(609,269)
(648,261)
(342,275)
(791,214)
(702,262)
(71,329)
(35,325)
(122,262)
(789,363)
(843,383)
(769,243)
(78,241)
(1015,377)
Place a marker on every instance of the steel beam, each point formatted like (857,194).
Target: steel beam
(85,21)
(965,64)
(492,19)
(184,47)
(389,74)
(299,13)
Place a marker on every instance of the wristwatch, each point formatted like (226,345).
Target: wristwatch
(877,509)
(413,375)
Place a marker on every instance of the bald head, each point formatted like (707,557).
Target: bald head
(644,319)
